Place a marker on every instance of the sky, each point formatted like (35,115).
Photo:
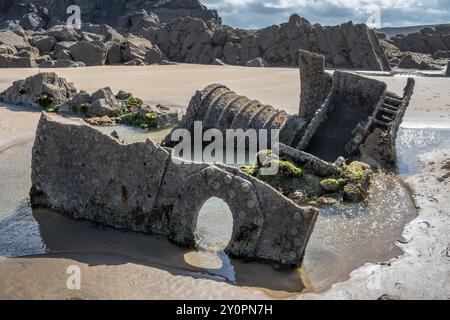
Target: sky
(255,14)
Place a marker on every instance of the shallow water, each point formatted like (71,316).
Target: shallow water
(412,142)
(344,238)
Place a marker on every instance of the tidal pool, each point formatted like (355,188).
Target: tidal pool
(345,237)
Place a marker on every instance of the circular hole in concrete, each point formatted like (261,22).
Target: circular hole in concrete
(214,230)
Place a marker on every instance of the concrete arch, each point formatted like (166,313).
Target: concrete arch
(239,194)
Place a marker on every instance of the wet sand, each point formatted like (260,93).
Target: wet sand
(109,275)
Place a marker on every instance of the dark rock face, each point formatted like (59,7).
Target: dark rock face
(109,12)
(185,31)
(427,40)
(447,73)
(348,46)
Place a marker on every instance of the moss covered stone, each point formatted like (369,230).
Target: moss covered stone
(330,184)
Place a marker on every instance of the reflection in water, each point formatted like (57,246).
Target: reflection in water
(412,142)
(19,234)
(214,231)
(348,236)
(344,238)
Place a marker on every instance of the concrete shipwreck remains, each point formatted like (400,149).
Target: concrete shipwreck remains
(341,115)
(86,174)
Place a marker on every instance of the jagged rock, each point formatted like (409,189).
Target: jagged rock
(91,53)
(40,91)
(12,39)
(43,59)
(104,103)
(107,32)
(123,95)
(154,55)
(155,117)
(11,61)
(435,42)
(428,40)
(114,55)
(62,64)
(28,16)
(135,22)
(62,55)
(232,53)
(441,55)
(7,49)
(31,21)
(428,66)
(45,44)
(64,33)
(80,102)
(135,48)
(110,12)
(409,62)
(88,36)
(257,63)
(63,45)
(101,107)
(24,53)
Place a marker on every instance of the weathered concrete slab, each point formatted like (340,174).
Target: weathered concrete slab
(88,175)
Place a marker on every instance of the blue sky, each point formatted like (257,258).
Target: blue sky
(257,14)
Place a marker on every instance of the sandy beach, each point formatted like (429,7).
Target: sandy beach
(421,272)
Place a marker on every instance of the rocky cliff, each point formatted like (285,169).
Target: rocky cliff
(108,11)
(146,32)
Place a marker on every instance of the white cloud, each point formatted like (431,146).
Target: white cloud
(245,13)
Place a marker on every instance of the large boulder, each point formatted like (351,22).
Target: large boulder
(64,33)
(90,53)
(27,15)
(7,49)
(104,103)
(135,48)
(31,21)
(12,61)
(409,61)
(12,39)
(41,91)
(135,22)
(441,55)
(154,55)
(45,44)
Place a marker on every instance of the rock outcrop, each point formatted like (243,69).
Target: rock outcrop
(103,12)
(427,40)
(185,31)
(346,46)
(41,91)
(139,187)
(48,92)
